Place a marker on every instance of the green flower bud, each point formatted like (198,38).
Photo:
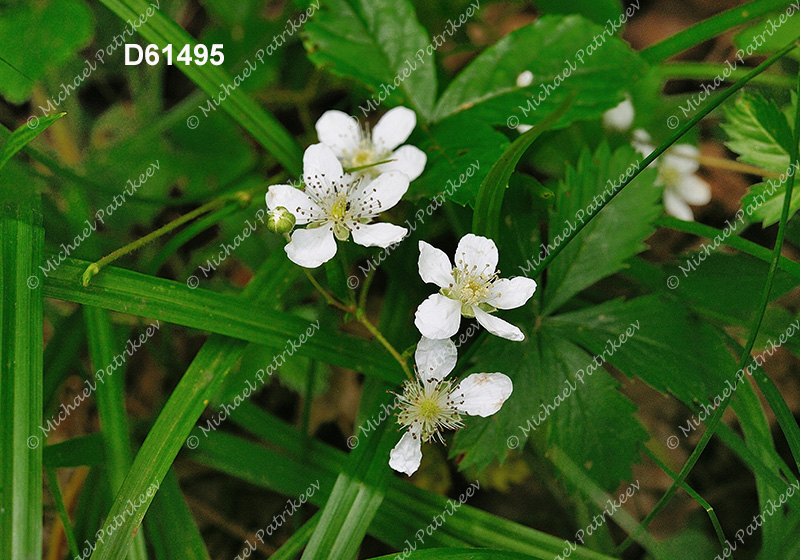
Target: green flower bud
(280,220)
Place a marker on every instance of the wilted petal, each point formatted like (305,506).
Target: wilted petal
(407,454)
(512,292)
(406,159)
(435,358)
(482,394)
(438,317)
(393,129)
(476,253)
(311,247)
(378,235)
(675,206)
(295,201)
(434,266)
(339,131)
(497,326)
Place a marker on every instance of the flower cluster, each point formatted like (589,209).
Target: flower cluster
(350,178)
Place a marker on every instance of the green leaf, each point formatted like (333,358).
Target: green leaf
(171,525)
(770,34)
(75,452)
(614,236)
(22,136)
(547,48)
(36,37)
(375,42)
(551,405)
(486,219)
(158,29)
(130,292)
(759,132)
(457,162)
(598,11)
(462,554)
(21,348)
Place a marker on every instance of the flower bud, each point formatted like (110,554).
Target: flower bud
(280,220)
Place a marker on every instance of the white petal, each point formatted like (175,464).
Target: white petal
(407,454)
(694,190)
(434,266)
(393,129)
(641,142)
(620,117)
(498,326)
(311,247)
(682,158)
(438,317)
(476,252)
(407,159)
(383,193)
(435,358)
(525,79)
(295,201)
(378,235)
(340,131)
(511,293)
(482,393)
(320,168)
(675,206)
(523,128)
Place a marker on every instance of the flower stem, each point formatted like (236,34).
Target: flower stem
(328,297)
(362,318)
(93,269)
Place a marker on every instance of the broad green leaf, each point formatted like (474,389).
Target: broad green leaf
(36,37)
(759,132)
(158,29)
(598,11)
(550,404)
(457,162)
(377,42)
(610,239)
(549,48)
(21,348)
(22,136)
(130,292)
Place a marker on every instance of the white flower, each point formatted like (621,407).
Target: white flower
(357,148)
(676,172)
(470,288)
(525,79)
(430,404)
(620,117)
(336,204)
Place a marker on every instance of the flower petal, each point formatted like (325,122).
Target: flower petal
(382,194)
(482,394)
(620,117)
(295,201)
(438,317)
(311,247)
(512,292)
(378,235)
(694,190)
(434,266)
(524,79)
(393,129)
(407,159)
(675,206)
(435,358)
(497,326)
(339,131)
(478,253)
(407,454)
(321,168)
(682,159)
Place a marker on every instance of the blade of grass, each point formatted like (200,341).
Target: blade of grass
(716,418)
(21,379)
(76,452)
(25,134)
(173,302)
(55,491)
(295,543)
(264,127)
(710,28)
